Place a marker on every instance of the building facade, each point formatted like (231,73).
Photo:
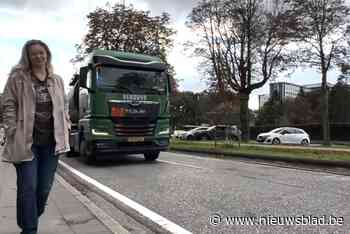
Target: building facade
(285,90)
(315,87)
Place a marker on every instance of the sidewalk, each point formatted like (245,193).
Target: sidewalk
(65,214)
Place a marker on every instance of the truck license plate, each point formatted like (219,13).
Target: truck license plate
(136,139)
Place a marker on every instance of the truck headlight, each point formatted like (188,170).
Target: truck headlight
(165,132)
(99,133)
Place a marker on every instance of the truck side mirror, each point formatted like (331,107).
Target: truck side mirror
(75,78)
(83,74)
(83,82)
(169,83)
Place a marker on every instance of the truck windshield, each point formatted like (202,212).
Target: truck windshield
(124,80)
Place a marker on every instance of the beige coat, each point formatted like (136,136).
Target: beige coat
(19,111)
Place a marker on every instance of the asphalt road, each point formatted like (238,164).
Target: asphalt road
(189,190)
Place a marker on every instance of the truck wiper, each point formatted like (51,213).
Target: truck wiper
(152,91)
(123,88)
(116,88)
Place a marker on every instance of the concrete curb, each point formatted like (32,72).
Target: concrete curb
(148,218)
(104,218)
(315,162)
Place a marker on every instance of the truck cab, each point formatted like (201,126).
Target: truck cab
(119,104)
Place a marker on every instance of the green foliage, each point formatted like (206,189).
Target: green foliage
(184,109)
(306,108)
(339,103)
(188,108)
(272,112)
(345,70)
(126,29)
(1,108)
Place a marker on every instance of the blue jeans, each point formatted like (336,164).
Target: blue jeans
(34,182)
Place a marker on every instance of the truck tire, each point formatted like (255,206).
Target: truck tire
(71,153)
(151,156)
(86,152)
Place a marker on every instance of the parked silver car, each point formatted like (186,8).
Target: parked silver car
(191,134)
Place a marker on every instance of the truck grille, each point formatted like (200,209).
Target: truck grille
(134,127)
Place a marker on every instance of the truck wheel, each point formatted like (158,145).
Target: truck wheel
(151,156)
(71,154)
(87,153)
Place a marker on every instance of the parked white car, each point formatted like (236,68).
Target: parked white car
(285,135)
(190,135)
(178,133)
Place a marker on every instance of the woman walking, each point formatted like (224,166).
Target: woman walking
(36,127)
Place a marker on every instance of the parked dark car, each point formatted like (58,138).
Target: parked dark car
(218,132)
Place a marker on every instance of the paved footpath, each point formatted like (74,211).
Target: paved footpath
(65,214)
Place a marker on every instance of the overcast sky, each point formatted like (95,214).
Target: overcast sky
(62,24)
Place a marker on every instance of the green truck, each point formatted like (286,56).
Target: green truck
(119,104)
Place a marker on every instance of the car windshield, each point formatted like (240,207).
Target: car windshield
(211,128)
(197,129)
(277,130)
(131,81)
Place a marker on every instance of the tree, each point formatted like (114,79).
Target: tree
(304,109)
(345,72)
(322,29)
(1,109)
(271,113)
(125,29)
(242,44)
(184,109)
(339,104)
(188,108)
(301,110)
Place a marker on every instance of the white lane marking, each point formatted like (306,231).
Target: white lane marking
(107,220)
(156,218)
(181,164)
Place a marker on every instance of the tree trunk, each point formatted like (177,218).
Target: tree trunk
(325,111)
(244,116)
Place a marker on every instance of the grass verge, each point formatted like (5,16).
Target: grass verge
(258,151)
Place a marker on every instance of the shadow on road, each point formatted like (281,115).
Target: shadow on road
(113,160)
